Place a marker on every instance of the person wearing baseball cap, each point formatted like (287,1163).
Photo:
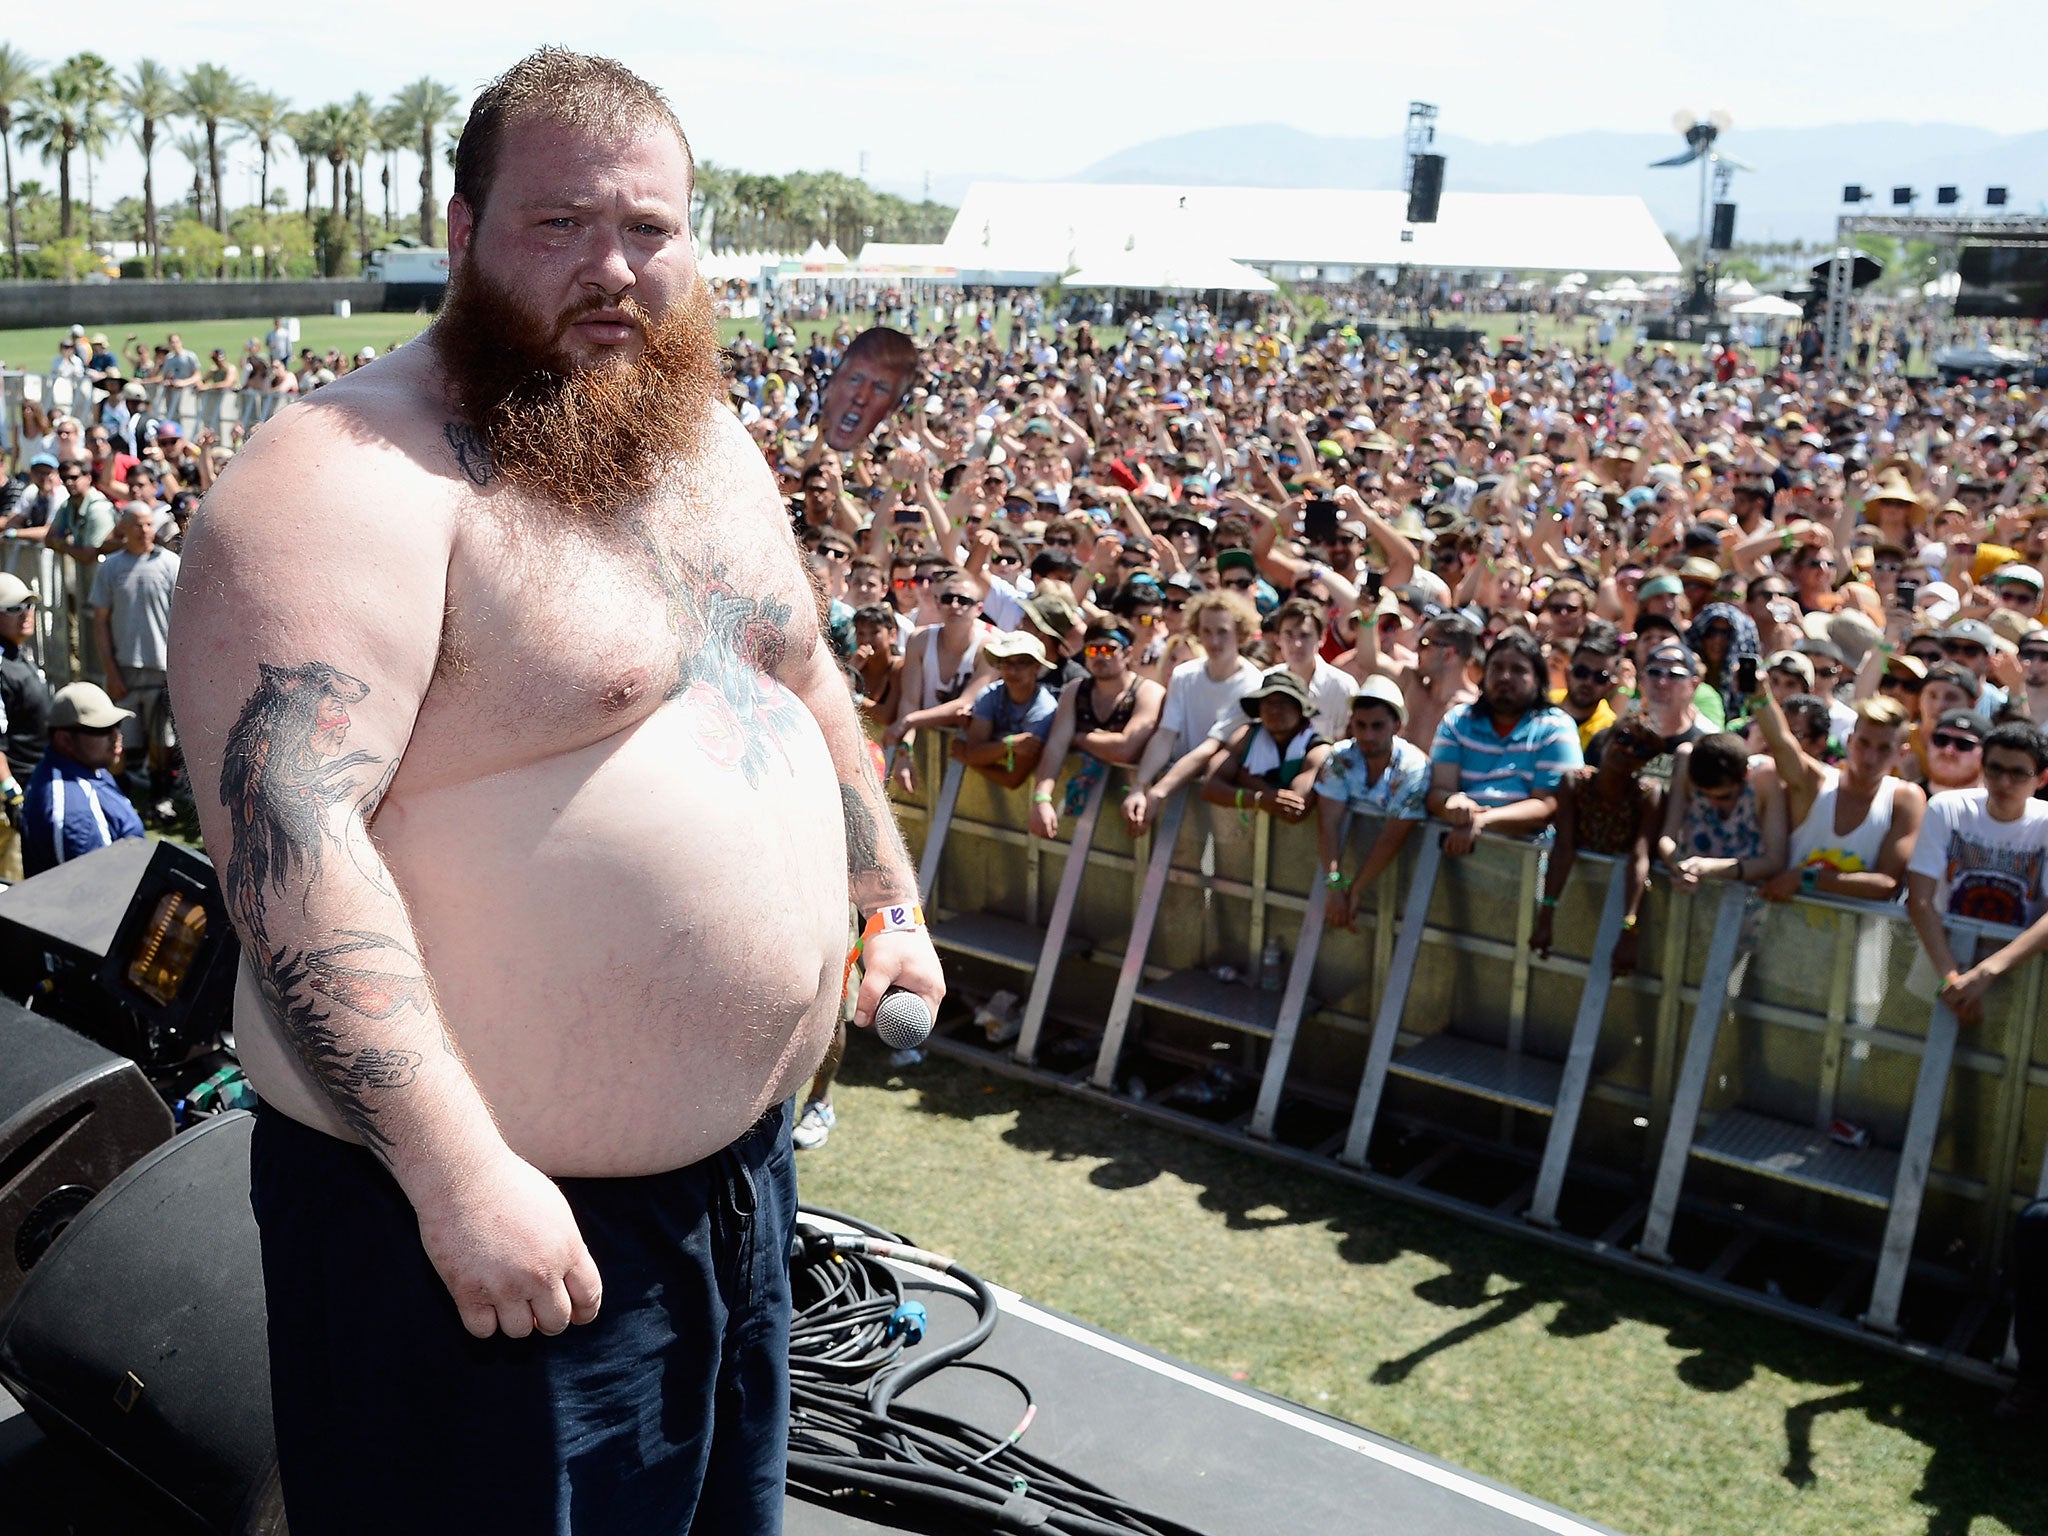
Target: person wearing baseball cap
(1374,771)
(72,806)
(24,714)
(1011,717)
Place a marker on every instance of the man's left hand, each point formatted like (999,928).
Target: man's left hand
(903,960)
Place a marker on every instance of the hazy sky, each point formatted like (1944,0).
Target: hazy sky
(1041,91)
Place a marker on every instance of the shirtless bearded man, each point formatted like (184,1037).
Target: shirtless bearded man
(538,800)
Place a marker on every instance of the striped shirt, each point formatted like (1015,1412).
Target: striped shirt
(1538,752)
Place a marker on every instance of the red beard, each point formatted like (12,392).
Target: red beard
(593,440)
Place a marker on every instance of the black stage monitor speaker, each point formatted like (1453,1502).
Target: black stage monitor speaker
(141,1333)
(73,1115)
(1425,189)
(1722,237)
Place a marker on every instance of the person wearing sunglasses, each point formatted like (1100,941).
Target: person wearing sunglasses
(1950,688)
(72,805)
(1853,826)
(1592,678)
(1109,718)
(1955,752)
(77,531)
(943,668)
(1970,643)
(2033,662)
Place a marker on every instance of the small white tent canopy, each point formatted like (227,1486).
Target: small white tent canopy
(1768,306)
(1168,272)
(1947,286)
(833,255)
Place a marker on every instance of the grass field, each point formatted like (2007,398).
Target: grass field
(33,349)
(1615,1397)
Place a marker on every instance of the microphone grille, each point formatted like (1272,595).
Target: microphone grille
(902,1020)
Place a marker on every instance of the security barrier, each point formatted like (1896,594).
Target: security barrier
(1676,1120)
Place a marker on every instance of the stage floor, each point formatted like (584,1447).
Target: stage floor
(1165,1436)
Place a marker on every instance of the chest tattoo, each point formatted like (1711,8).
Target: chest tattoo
(472,454)
(729,646)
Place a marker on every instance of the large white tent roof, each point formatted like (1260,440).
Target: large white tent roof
(1169,271)
(1050,228)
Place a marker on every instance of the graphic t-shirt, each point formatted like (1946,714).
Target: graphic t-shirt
(1992,871)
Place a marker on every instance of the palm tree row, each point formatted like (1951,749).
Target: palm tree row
(75,109)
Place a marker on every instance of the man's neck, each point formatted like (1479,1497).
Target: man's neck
(1675,721)
(1504,723)
(1305,670)
(1222,665)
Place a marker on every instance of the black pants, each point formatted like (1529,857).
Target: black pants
(2030,1292)
(668,1413)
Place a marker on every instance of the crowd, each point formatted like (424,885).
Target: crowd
(1727,616)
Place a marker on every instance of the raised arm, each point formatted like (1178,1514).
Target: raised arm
(306,634)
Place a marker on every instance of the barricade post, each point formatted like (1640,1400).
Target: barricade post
(1071,875)
(1165,837)
(1393,1002)
(1293,1001)
(1578,1064)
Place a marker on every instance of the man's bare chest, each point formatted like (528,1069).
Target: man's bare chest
(556,636)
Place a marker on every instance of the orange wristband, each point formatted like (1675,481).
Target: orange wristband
(898,919)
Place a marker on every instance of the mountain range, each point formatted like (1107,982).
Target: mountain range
(1794,193)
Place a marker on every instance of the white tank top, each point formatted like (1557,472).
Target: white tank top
(943,690)
(1815,841)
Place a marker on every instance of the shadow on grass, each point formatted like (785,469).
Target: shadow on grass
(1976,1469)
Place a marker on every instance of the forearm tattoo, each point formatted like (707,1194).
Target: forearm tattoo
(863,854)
(729,648)
(283,776)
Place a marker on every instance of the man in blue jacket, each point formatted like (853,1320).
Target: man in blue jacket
(73,805)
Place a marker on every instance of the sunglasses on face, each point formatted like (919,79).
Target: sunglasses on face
(1563,610)
(1586,674)
(1665,674)
(19,609)
(1175,605)
(1004,560)
(1239,586)
(1903,684)
(2019,597)
(958,600)
(1066,543)
(1962,650)
(1100,649)
(1948,741)
(2033,657)
(2012,771)
(833,554)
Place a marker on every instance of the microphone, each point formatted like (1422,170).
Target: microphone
(902,1020)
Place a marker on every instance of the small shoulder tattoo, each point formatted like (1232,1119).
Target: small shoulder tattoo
(472,455)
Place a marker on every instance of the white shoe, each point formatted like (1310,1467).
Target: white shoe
(814,1125)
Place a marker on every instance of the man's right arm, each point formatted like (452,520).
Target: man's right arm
(304,638)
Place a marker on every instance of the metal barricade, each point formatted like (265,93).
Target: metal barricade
(1694,1097)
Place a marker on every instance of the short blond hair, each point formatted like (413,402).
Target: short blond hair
(1882,711)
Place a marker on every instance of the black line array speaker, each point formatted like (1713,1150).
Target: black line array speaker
(1722,236)
(73,1115)
(1425,189)
(141,1333)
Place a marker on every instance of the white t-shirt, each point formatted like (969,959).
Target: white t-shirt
(1993,871)
(1197,706)
(1332,689)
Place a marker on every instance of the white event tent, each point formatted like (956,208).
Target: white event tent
(1033,232)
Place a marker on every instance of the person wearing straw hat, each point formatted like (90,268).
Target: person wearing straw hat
(73,806)
(1895,507)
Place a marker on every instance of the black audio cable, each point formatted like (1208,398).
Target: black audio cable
(851,1439)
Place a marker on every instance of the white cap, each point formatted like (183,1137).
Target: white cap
(1383,690)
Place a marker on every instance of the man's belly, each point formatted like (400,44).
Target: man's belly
(636,952)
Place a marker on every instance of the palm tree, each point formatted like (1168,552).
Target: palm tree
(392,135)
(264,117)
(193,148)
(325,131)
(150,98)
(425,108)
(307,146)
(102,91)
(17,82)
(52,123)
(362,138)
(210,97)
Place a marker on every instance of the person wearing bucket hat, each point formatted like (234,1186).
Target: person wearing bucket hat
(1374,771)
(1010,718)
(72,805)
(1270,763)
